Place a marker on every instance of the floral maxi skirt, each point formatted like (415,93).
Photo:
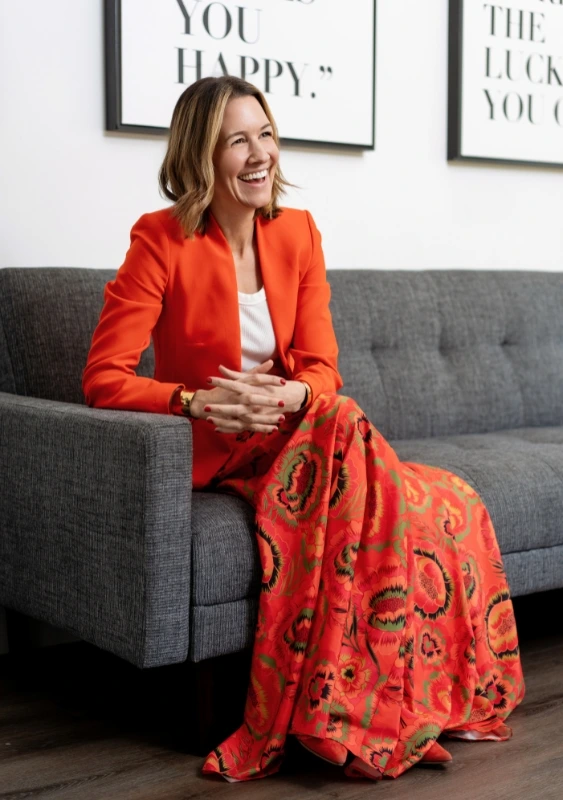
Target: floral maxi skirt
(384,617)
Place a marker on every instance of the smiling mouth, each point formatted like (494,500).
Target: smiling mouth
(255,178)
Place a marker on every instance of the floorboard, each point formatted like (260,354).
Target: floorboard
(79,724)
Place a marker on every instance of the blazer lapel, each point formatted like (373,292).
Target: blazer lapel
(221,291)
(276,292)
(222,296)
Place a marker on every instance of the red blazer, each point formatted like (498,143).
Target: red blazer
(184,292)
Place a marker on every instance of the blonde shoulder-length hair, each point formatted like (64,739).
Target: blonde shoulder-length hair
(187,175)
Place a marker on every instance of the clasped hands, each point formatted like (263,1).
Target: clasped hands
(248,401)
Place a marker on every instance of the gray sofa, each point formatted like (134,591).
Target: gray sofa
(100,533)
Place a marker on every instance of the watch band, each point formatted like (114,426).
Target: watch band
(186,402)
(308,394)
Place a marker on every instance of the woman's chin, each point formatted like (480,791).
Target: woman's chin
(257,202)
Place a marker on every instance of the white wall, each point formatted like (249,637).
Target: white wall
(70,192)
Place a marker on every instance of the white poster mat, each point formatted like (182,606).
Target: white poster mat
(313,59)
(512,81)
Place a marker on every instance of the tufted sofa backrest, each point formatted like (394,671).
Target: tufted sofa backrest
(424,353)
(47,317)
(442,352)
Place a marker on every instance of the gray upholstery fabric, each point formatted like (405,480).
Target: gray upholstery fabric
(534,570)
(424,353)
(48,317)
(7,382)
(228,628)
(226,563)
(95,533)
(442,353)
(518,473)
(518,476)
(221,629)
(463,370)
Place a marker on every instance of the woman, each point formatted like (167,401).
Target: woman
(385,618)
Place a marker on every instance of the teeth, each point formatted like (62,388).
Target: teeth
(254,176)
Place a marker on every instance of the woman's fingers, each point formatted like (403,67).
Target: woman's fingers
(232,385)
(252,429)
(253,378)
(249,404)
(260,379)
(237,426)
(258,384)
(231,373)
(247,416)
(265,367)
(261,368)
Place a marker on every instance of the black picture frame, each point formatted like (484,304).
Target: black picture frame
(113,87)
(455,98)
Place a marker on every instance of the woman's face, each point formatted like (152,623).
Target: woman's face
(245,158)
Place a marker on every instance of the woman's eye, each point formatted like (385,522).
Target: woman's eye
(238,141)
(266,133)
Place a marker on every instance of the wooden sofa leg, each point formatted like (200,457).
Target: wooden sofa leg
(220,686)
(204,687)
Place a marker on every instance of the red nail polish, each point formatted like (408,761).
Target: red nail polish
(207,409)
(281,404)
(282,381)
(281,419)
(210,380)
(210,421)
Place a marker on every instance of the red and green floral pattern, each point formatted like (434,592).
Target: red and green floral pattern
(385,617)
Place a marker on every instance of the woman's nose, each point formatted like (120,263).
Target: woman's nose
(258,152)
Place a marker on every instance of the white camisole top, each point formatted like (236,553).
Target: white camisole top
(256,330)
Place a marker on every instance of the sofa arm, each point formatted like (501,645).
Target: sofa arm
(95,529)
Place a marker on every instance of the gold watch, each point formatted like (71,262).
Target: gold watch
(186,402)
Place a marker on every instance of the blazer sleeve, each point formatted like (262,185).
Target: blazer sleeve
(132,306)
(314,349)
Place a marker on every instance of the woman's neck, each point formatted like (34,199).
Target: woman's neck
(238,228)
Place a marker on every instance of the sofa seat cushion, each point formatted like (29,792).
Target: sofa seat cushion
(518,474)
(225,559)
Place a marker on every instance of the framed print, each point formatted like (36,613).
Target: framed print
(506,81)
(314,60)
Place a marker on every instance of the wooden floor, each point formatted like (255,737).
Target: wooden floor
(78,723)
